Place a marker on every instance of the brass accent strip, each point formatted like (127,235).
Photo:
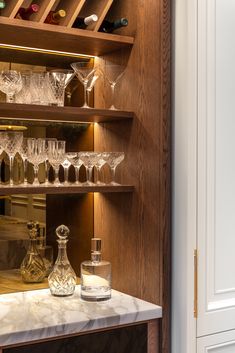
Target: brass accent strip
(12,128)
(46,51)
(195,283)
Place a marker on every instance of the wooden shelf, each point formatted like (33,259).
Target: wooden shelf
(30,34)
(28,112)
(62,189)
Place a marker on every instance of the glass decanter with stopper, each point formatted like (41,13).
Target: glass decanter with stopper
(32,268)
(62,280)
(95,275)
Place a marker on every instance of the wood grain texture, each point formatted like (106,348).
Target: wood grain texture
(60,38)
(12,7)
(72,8)
(97,7)
(137,226)
(153,337)
(36,113)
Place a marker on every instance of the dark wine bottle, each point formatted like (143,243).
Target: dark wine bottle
(2,4)
(83,22)
(25,13)
(109,27)
(54,17)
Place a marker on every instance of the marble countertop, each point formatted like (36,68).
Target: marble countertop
(35,315)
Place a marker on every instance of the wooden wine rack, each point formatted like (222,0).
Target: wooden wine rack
(73,8)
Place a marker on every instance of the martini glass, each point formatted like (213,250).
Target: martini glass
(84,71)
(58,81)
(10,84)
(91,83)
(113,159)
(113,74)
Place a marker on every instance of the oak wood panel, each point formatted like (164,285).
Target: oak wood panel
(137,225)
(153,337)
(59,38)
(45,8)
(97,7)
(62,189)
(28,112)
(72,8)
(12,7)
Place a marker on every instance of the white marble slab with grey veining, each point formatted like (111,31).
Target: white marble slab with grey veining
(35,315)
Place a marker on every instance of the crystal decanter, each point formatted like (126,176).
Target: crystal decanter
(32,268)
(95,275)
(62,279)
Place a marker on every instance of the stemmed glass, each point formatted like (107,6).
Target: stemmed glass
(13,144)
(56,156)
(3,141)
(89,159)
(113,73)
(24,95)
(113,159)
(58,81)
(36,155)
(24,155)
(85,72)
(67,163)
(99,164)
(10,84)
(47,163)
(76,161)
(91,83)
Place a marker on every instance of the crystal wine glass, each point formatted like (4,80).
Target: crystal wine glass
(58,81)
(113,74)
(56,156)
(76,162)
(113,159)
(36,155)
(13,144)
(47,163)
(24,155)
(39,91)
(69,156)
(84,71)
(24,95)
(100,162)
(10,84)
(89,159)
(3,141)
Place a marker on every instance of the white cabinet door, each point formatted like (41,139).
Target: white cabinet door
(216,168)
(220,343)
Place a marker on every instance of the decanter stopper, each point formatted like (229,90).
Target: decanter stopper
(62,280)
(32,268)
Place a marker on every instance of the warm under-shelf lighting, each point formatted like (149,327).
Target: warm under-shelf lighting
(45,51)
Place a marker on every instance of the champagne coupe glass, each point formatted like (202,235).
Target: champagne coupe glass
(24,155)
(36,155)
(99,164)
(10,84)
(76,162)
(84,71)
(67,163)
(113,159)
(58,81)
(89,159)
(56,156)
(113,74)
(13,144)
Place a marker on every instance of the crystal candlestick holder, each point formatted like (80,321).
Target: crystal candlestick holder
(62,279)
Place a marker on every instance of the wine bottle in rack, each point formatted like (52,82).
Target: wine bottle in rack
(109,27)
(25,13)
(83,22)
(2,4)
(54,17)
